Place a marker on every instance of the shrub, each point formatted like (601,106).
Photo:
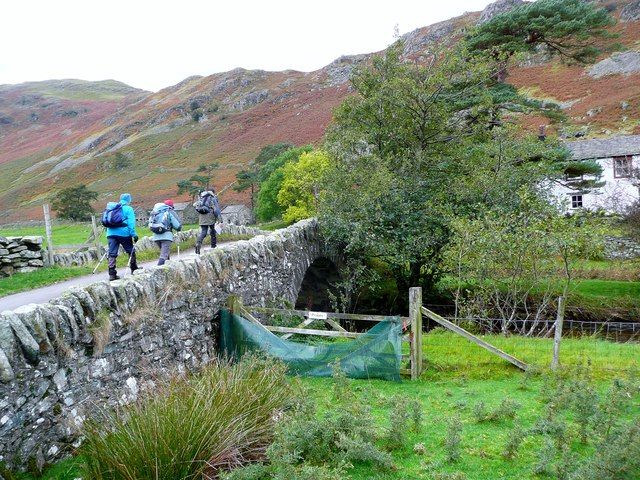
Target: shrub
(304,437)
(416,415)
(453,439)
(545,458)
(507,409)
(398,425)
(515,439)
(617,456)
(190,427)
(197,114)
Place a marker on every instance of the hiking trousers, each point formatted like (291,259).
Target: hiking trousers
(114,246)
(204,229)
(165,250)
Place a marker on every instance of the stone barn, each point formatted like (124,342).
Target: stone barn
(186,213)
(237,215)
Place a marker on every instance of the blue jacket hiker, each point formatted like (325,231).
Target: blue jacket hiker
(124,235)
(162,221)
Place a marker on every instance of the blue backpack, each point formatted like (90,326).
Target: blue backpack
(114,217)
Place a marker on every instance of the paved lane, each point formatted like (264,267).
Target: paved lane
(44,294)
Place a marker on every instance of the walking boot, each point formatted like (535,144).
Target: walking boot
(198,245)
(134,263)
(113,274)
(161,261)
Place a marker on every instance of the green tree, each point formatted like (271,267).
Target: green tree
(504,264)
(198,182)
(570,29)
(74,203)
(301,183)
(122,161)
(249,178)
(271,177)
(410,152)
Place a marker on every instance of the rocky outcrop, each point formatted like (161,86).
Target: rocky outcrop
(621,63)
(99,346)
(339,71)
(20,255)
(630,12)
(496,8)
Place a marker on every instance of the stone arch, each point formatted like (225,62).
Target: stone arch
(319,279)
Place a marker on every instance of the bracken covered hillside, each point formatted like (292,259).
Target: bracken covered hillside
(113,137)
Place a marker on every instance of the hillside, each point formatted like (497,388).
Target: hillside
(115,138)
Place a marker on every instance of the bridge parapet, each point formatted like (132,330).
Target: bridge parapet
(101,345)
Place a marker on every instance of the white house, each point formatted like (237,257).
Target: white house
(619,158)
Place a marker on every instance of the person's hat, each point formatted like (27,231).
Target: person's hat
(125,197)
(169,202)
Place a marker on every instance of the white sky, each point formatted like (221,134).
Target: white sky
(154,44)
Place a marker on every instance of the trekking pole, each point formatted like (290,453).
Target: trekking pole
(178,245)
(133,251)
(104,255)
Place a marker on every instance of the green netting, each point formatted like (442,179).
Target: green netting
(376,354)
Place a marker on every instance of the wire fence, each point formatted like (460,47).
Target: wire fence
(607,349)
(612,331)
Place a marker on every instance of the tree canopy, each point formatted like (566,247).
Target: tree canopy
(249,178)
(198,182)
(301,183)
(74,203)
(410,152)
(270,177)
(571,29)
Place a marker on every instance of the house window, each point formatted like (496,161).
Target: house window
(576,201)
(622,166)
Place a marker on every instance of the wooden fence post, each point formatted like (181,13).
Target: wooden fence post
(415,315)
(96,235)
(47,227)
(233,304)
(558,334)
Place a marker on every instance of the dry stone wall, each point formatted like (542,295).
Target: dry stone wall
(620,248)
(89,255)
(99,346)
(20,255)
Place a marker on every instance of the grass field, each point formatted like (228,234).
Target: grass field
(62,234)
(458,376)
(68,233)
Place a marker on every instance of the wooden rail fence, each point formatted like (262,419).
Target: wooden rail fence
(411,324)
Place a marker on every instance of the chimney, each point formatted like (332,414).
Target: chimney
(542,136)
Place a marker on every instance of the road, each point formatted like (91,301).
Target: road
(44,294)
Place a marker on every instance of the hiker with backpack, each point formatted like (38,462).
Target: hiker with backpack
(120,220)
(162,221)
(208,213)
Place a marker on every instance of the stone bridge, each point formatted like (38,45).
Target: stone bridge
(101,345)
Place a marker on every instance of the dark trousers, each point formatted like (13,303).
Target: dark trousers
(114,246)
(204,229)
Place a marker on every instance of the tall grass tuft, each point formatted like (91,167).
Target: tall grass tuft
(190,428)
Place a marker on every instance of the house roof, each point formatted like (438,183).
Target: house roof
(604,147)
(179,206)
(234,208)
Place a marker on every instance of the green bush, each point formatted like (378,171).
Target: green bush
(189,428)
(311,446)
(453,440)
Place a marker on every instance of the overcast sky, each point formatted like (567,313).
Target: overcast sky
(154,44)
